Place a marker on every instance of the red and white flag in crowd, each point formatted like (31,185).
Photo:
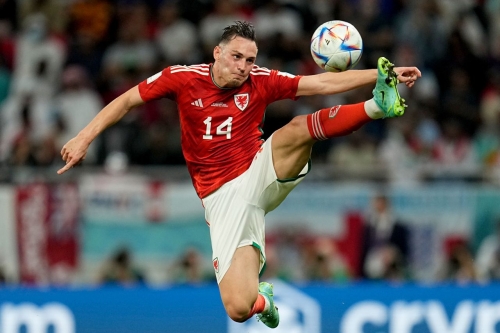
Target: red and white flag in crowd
(47,232)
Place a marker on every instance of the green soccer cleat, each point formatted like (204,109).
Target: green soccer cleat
(270,318)
(386,93)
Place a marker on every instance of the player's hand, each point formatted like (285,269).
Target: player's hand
(408,75)
(73,152)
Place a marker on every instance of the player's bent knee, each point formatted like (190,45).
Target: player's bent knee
(238,308)
(298,122)
(298,128)
(238,311)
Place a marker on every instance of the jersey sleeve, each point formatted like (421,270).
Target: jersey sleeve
(281,85)
(162,84)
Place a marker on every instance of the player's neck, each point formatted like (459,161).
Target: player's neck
(218,84)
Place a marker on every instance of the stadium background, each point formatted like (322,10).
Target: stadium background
(119,244)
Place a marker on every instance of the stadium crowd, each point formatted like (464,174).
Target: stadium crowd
(62,60)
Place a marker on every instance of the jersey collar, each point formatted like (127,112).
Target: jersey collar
(212,77)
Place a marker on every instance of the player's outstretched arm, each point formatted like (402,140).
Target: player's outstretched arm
(74,151)
(334,83)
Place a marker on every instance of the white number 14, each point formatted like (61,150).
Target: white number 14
(222,129)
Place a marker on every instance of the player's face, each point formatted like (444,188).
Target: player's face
(234,61)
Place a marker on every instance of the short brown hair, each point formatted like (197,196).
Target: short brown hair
(239,28)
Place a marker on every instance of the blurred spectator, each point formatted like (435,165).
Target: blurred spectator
(275,19)
(120,270)
(53,10)
(370,20)
(116,163)
(189,268)
(90,24)
(355,156)
(460,102)
(84,51)
(176,38)
(76,105)
(459,264)
(26,135)
(468,17)
(8,14)
(488,256)
(16,148)
(90,19)
(27,117)
(288,245)
(133,56)
(385,243)
(453,150)
(460,74)
(427,91)
(225,12)
(194,10)
(404,149)
(160,144)
(421,25)
(386,263)
(323,262)
(39,59)
(323,10)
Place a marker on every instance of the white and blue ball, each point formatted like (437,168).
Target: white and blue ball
(336,46)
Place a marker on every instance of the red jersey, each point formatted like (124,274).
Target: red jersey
(220,128)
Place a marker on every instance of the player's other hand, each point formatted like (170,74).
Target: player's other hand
(408,75)
(73,152)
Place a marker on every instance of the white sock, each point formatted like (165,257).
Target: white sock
(267,306)
(372,109)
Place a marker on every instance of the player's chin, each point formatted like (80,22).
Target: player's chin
(234,83)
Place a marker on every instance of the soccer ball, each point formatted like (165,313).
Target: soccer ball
(336,46)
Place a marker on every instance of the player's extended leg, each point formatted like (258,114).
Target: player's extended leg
(239,286)
(293,142)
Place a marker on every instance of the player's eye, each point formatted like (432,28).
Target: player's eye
(236,57)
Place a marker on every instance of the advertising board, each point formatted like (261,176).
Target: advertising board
(357,308)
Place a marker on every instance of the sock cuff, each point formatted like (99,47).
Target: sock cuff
(267,303)
(315,127)
(373,110)
(260,305)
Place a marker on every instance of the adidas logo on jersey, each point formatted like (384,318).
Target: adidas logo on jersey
(197,103)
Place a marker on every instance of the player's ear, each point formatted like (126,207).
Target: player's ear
(217,52)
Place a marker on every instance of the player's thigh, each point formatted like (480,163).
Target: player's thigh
(239,287)
(261,187)
(291,147)
(234,222)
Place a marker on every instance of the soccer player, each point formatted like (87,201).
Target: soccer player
(239,177)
